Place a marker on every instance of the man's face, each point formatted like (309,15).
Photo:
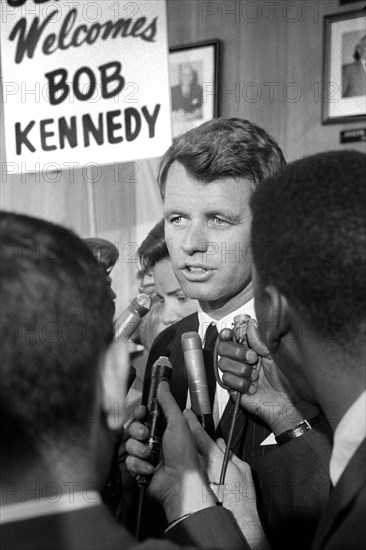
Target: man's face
(207,231)
(175,303)
(293,375)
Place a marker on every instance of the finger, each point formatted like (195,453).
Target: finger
(252,389)
(236,383)
(138,413)
(138,467)
(137,449)
(167,402)
(226,334)
(254,340)
(232,350)
(221,444)
(251,357)
(138,431)
(255,375)
(234,367)
(242,466)
(204,443)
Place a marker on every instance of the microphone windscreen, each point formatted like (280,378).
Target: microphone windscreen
(129,320)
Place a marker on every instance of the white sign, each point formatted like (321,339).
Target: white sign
(84,82)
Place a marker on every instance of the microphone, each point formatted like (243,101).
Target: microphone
(127,322)
(197,380)
(155,419)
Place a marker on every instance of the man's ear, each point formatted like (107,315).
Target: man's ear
(114,374)
(276,314)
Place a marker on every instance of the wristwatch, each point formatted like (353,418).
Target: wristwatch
(297,431)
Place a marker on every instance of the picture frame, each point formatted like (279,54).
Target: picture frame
(193,74)
(344,77)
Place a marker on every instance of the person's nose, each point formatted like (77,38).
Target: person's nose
(195,239)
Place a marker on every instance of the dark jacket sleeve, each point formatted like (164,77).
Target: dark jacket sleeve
(211,528)
(297,477)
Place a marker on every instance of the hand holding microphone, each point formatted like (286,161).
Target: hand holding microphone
(251,371)
(240,350)
(155,423)
(155,420)
(178,481)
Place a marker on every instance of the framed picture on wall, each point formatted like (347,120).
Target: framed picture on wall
(344,67)
(193,74)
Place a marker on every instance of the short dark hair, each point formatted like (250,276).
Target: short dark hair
(56,321)
(153,248)
(309,237)
(224,148)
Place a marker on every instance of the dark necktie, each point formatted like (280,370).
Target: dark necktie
(210,339)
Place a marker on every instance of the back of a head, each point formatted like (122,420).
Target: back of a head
(224,148)
(153,249)
(309,237)
(56,321)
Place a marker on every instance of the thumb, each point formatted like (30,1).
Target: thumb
(240,464)
(221,443)
(254,340)
(167,402)
(204,443)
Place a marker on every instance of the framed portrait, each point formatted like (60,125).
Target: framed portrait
(193,75)
(344,68)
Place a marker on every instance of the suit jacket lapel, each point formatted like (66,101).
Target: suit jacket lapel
(347,487)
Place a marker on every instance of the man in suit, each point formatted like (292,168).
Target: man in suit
(309,232)
(206,180)
(62,384)
(311,311)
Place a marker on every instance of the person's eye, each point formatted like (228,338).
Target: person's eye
(156,298)
(219,222)
(176,220)
(182,299)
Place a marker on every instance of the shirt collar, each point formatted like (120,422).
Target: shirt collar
(348,436)
(45,506)
(225,322)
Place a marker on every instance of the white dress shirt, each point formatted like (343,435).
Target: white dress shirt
(348,436)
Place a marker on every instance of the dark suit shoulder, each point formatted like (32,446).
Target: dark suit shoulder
(343,521)
(168,340)
(349,530)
